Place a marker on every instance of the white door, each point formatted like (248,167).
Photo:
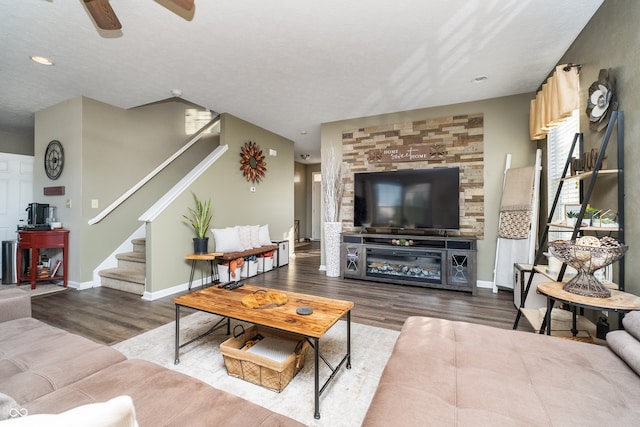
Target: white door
(16,192)
(316,193)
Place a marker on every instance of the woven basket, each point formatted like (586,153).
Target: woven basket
(260,370)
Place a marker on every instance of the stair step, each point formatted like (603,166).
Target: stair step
(123,274)
(129,276)
(139,245)
(132,261)
(123,279)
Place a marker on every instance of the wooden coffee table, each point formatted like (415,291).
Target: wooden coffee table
(227,303)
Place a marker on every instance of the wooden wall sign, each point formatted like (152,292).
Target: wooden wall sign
(408,153)
(54,191)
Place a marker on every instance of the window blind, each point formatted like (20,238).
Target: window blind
(559,141)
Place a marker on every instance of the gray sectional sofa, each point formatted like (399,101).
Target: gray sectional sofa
(445,373)
(45,370)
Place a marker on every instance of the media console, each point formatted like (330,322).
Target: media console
(430,261)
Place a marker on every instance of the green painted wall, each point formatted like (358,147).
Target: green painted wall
(610,40)
(108,150)
(17,143)
(64,123)
(169,237)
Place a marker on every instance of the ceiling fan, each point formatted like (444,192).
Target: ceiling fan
(106,19)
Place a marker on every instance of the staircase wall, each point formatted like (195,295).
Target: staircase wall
(108,150)
(169,238)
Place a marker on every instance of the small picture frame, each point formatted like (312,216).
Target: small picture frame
(571,213)
(575,209)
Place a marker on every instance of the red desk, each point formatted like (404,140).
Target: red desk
(34,241)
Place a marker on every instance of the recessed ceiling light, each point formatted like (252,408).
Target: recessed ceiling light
(303,132)
(479,79)
(41,60)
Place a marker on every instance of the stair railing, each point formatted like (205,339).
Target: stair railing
(157,208)
(113,206)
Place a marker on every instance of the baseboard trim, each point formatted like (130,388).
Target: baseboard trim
(151,296)
(484,284)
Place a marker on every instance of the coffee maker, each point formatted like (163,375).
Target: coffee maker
(38,213)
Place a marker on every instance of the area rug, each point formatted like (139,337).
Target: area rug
(343,403)
(41,288)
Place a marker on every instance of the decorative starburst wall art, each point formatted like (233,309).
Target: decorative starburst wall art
(252,162)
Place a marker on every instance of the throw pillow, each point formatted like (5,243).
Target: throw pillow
(117,412)
(626,347)
(255,236)
(631,323)
(245,236)
(227,239)
(265,239)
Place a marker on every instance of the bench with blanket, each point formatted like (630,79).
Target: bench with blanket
(240,243)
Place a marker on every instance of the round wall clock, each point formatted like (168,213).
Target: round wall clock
(54,159)
(252,162)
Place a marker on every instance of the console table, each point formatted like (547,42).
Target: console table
(428,261)
(41,239)
(619,301)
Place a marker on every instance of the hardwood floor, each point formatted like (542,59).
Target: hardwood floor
(109,316)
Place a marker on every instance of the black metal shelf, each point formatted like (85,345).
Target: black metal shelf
(616,121)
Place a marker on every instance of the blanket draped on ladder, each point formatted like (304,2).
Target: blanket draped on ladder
(516,229)
(516,205)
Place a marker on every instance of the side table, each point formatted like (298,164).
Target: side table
(210,257)
(619,301)
(33,241)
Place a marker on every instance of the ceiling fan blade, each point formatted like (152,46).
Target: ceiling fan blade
(183,4)
(103,14)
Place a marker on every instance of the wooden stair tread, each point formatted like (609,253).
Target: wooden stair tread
(132,256)
(124,275)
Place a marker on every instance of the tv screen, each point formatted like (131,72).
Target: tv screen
(408,199)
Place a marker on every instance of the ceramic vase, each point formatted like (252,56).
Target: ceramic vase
(332,232)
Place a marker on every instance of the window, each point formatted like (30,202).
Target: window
(559,140)
(194,120)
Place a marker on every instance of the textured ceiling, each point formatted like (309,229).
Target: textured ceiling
(285,65)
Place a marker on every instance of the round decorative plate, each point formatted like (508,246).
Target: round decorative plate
(54,159)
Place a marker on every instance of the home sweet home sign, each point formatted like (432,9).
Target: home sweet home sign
(454,141)
(408,153)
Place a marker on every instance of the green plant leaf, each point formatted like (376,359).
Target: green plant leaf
(199,218)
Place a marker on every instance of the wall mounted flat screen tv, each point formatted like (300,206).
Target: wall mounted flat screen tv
(408,199)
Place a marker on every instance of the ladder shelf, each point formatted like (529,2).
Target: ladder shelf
(616,121)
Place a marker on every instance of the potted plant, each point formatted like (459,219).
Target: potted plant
(199,218)
(591,215)
(572,218)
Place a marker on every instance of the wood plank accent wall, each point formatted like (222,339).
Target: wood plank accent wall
(449,141)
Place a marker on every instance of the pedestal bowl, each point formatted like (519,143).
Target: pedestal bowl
(587,259)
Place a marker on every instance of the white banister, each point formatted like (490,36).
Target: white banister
(182,185)
(154,172)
